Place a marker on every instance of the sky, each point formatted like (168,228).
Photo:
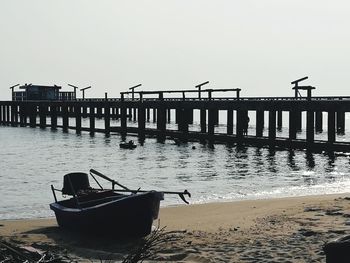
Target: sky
(258,46)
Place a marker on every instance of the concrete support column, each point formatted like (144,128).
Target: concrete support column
(8,116)
(168,115)
(279,119)
(292,125)
(298,119)
(32,117)
(154,114)
(340,122)
(239,123)
(260,120)
(123,117)
(310,126)
(53,112)
(99,112)
(203,120)
(1,116)
(42,114)
(272,125)
(13,115)
(141,119)
(229,122)
(331,126)
(107,119)
(212,120)
(319,121)
(148,114)
(92,119)
(77,112)
(161,122)
(65,117)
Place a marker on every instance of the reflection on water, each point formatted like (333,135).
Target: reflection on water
(32,159)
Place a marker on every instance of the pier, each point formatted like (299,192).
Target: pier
(178,106)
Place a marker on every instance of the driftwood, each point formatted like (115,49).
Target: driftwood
(13,252)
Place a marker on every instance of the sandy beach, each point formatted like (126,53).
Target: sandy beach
(274,230)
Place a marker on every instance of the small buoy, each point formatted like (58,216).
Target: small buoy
(193,147)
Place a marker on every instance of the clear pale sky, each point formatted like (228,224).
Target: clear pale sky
(257,45)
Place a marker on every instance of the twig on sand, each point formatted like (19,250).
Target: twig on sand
(150,246)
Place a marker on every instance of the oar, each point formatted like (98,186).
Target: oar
(181,194)
(108,179)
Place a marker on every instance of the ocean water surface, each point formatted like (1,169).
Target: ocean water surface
(33,159)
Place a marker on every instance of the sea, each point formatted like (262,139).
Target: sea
(33,159)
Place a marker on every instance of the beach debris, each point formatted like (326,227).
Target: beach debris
(150,246)
(338,250)
(11,251)
(334,212)
(307,232)
(312,209)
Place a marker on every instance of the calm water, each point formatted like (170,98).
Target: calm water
(32,159)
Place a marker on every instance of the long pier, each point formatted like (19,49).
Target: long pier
(161,111)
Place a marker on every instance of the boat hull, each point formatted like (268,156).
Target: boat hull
(121,215)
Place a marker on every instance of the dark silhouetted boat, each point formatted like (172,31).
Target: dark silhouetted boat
(111,211)
(127,145)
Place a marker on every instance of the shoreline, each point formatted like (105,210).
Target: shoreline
(238,231)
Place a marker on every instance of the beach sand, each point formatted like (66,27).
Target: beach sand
(274,230)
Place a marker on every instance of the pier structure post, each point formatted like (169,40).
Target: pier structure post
(8,116)
(259,123)
(16,113)
(203,120)
(53,112)
(293,124)
(161,118)
(85,112)
(310,128)
(130,113)
(99,112)
(331,126)
(13,115)
(229,121)
(239,123)
(216,116)
(123,113)
(168,115)
(141,120)
(65,117)
(154,114)
(183,120)
(92,119)
(77,112)
(1,116)
(114,113)
(318,121)
(42,115)
(279,119)
(32,117)
(340,122)
(107,118)
(178,113)
(148,114)
(272,125)
(212,118)
(298,120)
(23,115)
(134,114)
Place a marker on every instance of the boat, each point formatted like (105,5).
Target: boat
(117,212)
(127,145)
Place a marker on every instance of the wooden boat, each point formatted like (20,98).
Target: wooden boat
(127,145)
(109,211)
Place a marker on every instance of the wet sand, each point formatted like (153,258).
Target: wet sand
(272,230)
